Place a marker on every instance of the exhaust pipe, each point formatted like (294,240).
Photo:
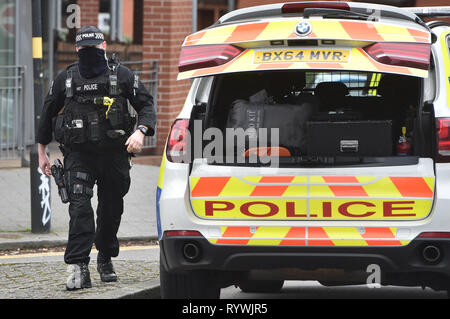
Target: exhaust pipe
(431,253)
(191,252)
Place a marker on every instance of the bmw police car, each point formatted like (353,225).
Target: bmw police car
(313,145)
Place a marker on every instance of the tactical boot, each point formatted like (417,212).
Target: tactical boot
(105,268)
(79,277)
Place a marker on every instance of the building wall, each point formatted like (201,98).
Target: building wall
(89,12)
(166,24)
(127,18)
(428,3)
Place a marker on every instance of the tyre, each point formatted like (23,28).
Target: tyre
(196,284)
(265,286)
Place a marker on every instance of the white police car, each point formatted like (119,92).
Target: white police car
(313,145)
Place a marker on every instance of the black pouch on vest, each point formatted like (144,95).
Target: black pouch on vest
(59,129)
(93,127)
(115,116)
(130,122)
(77,131)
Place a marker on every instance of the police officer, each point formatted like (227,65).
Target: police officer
(86,108)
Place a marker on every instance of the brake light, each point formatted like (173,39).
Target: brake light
(434,235)
(301,6)
(443,140)
(182,233)
(205,56)
(177,145)
(414,55)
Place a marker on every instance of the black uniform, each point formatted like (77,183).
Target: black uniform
(92,131)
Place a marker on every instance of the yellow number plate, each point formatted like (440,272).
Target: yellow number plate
(281,56)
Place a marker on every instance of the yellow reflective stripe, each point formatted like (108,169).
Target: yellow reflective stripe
(297,190)
(297,209)
(268,236)
(271,232)
(392,33)
(277,30)
(322,29)
(193,181)
(372,81)
(358,61)
(332,236)
(365,187)
(217,35)
(383,187)
(236,187)
(430,182)
(330,29)
(161,171)
(445,53)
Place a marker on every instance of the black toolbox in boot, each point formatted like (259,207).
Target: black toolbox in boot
(349,138)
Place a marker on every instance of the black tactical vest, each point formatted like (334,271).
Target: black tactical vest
(95,114)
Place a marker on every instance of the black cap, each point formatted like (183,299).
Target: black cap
(89,35)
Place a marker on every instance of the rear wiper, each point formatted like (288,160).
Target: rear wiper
(335,13)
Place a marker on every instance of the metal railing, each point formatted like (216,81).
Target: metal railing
(12,112)
(147,70)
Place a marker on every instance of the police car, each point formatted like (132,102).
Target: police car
(337,165)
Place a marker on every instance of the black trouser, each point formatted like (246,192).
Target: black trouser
(111,172)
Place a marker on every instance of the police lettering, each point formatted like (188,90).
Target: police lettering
(90,87)
(288,209)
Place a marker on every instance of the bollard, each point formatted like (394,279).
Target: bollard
(39,183)
(40,196)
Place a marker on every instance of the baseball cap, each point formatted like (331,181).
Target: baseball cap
(89,35)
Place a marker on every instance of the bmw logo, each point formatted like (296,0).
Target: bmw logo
(303,28)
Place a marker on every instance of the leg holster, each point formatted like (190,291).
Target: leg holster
(80,184)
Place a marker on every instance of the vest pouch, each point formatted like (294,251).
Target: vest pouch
(77,131)
(93,132)
(130,123)
(59,129)
(115,117)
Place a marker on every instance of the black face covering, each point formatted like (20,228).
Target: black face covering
(92,62)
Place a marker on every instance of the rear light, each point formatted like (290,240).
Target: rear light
(434,235)
(205,56)
(414,55)
(178,143)
(182,233)
(443,140)
(301,6)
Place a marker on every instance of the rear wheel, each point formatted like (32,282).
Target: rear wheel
(266,286)
(195,284)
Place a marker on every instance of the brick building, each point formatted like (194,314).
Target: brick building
(160,26)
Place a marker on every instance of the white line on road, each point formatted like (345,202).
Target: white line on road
(60,253)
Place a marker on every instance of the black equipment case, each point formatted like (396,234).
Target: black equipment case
(290,119)
(349,138)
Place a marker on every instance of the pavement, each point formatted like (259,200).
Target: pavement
(28,278)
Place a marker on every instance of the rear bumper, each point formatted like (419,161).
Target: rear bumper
(406,260)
